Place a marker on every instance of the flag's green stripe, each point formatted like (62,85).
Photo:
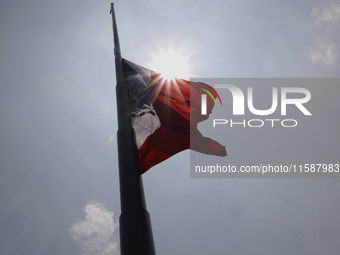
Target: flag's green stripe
(209,94)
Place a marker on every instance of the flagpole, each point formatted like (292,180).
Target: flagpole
(134,222)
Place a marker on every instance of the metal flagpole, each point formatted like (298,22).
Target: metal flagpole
(134,221)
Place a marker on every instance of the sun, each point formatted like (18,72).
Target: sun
(171,63)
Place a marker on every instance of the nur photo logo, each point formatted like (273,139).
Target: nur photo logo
(280,99)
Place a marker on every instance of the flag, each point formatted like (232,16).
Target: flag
(165,114)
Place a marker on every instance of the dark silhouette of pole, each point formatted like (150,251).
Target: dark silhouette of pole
(134,221)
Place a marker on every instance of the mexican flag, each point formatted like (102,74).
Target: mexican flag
(161,110)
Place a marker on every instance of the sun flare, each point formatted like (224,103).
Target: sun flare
(171,64)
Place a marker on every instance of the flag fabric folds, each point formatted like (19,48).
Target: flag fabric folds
(165,114)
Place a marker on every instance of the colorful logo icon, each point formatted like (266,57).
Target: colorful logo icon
(204,99)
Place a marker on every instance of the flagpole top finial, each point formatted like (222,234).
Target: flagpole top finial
(111,8)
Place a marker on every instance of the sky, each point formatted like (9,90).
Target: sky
(59,188)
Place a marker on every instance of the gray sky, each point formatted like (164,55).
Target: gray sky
(59,188)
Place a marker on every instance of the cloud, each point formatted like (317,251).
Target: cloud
(325,53)
(95,233)
(329,14)
(325,25)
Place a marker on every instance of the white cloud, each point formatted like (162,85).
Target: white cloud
(95,232)
(326,28)
(325,53)
(328,14)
